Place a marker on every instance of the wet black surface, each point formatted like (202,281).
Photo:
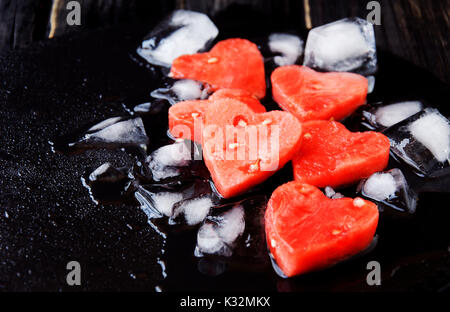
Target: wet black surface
(48,219)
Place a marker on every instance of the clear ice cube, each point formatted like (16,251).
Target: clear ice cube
(182,32)
(390,188)
(344,45)
(289,47)
(384,116)
(218,233)
(182,90)
(422,141)
(114,132)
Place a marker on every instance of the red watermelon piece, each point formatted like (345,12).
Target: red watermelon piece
(232,63)
(240,95)
(311,95)
(331,155)
(308,231)
(185,118)
(242,149)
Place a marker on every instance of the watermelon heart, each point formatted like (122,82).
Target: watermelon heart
(242,149)
(232,63)
(310,95)
(185,118)
(331,155)
(306,231)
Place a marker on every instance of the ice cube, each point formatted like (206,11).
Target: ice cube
(209,242)
(182,32)
(380,186)
(379,116)
(289,46)
(218,233)
(423,142)
(389,115)
(157,204)
(113,132)
(231,224)
(344,45)
(182,90)
(391,189)
(194,210)
(166,161)
(433,131)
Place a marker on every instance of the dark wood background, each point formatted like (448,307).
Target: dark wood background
(416,30)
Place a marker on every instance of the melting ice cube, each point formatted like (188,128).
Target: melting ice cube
(194,210)
(157,204)
(218,233)
(182,32)
(289,46)
(113,132)
(390,188)
(344,45)
(166,161)
(423,142)
(182,90)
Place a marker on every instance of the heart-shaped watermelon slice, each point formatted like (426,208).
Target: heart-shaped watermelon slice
(331,155)
(232,63)
(185,118)
(311,95)
(307,231)
(242,149)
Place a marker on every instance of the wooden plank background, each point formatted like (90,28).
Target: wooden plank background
(416,30)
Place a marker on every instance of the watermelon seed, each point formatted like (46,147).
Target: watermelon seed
(255,166)
(273,243)
(335,232)
(358,202)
